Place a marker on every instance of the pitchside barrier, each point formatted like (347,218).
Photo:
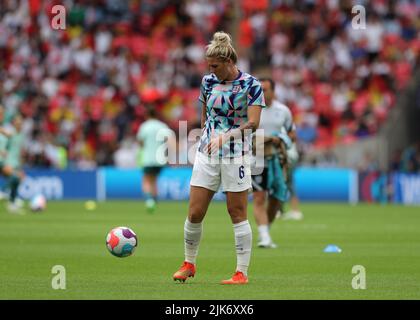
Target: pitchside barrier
(311,184)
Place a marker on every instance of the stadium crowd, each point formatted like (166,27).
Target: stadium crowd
(84,90)
(340,82)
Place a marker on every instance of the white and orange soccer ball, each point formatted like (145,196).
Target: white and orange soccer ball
(121,242)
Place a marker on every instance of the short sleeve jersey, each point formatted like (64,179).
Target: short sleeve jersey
(151,132)
(276,118)
(15,146)
(226,104)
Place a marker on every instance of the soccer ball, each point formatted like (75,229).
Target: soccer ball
(121,242)
(38,203)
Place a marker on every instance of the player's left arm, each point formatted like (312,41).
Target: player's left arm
(254,115)
(283,159)
(292,134)
(291,127)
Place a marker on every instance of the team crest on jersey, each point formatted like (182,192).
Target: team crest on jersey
(236,89)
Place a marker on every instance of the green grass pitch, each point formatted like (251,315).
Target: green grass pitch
(385,240)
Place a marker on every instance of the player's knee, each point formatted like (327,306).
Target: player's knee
(259,201)
(14,180)
(195,218)
(259,198)
(237,212)
(196,213)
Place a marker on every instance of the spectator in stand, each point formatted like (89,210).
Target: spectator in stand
(96,74)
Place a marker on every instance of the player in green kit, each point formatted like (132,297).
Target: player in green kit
(4,137)
(11,142)
(151,136)
(14,159)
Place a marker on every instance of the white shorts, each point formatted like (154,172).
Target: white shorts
(233,175)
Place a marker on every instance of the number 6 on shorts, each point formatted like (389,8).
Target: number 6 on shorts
(241,172)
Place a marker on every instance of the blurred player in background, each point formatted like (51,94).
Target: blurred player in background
(11,143)
(14,156)
(292,159)
(276,120)
(151,136)
(231,107)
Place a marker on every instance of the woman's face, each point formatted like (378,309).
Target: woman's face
(268,91)
(219,68)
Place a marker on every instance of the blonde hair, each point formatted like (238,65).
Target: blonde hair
(220,47)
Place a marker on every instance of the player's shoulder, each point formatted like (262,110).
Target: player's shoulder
(145,125)
(155,123)
(249,79)
(151,126)
(280,106)
(162,124)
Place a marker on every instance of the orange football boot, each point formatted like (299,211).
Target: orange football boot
(187,270)
(237,278)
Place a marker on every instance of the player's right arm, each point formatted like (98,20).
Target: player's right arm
(203,114)
(284,160)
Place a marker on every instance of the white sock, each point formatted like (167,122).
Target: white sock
(243,242)
(192,237)
(263,231)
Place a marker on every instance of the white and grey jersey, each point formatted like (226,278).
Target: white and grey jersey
(276,118)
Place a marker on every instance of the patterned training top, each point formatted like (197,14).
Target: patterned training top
(227,105)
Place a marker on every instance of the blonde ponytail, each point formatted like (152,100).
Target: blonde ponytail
(220,47)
